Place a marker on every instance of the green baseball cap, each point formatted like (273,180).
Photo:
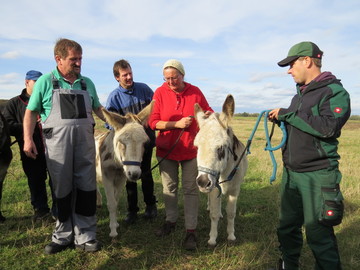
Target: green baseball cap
(305,48)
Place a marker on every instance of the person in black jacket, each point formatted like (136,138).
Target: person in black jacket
(310,188)
(35,169)
(5,155)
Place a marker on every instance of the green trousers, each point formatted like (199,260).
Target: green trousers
(303,203)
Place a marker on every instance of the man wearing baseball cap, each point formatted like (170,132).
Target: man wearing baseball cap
(35,169)
(310,189)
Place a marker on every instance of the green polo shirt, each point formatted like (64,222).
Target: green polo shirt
(40,100)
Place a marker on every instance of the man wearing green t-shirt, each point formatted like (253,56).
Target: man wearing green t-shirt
(65,100)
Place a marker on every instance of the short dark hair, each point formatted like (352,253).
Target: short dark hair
(121,64)
(317,62)
(63,46)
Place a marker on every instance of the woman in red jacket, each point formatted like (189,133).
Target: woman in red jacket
(173,117)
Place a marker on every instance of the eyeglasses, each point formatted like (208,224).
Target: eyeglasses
(171,79)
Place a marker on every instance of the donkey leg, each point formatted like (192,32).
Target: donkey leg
(208,205)
(112,206)
(98,196)
(215,214)
(119,185)
(231,213)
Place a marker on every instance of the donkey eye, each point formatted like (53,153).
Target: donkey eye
(220,152)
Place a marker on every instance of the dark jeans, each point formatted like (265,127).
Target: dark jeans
(5,159)
(36,172)
(147,184)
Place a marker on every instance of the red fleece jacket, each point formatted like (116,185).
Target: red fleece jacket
(171,106)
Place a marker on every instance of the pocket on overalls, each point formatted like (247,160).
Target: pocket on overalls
(48,133)
(72,106)
(332,206)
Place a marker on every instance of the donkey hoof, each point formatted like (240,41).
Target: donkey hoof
(231,242)
(211,245)
(113,234)
(114,240)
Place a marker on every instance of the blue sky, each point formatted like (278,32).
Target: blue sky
(226,46)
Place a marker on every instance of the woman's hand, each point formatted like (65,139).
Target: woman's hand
(184,122)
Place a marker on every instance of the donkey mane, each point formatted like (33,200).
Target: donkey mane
(235,142)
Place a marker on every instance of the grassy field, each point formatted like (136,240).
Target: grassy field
(22,241)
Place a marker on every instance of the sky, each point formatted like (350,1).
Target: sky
(226,46)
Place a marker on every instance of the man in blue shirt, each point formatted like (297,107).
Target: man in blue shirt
(132,97)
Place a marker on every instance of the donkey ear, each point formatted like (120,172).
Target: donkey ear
(115,120)
(228,110)
(144,114)
(229,106)
(198,113)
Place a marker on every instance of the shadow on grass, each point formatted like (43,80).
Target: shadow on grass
(18,229)
(137,247)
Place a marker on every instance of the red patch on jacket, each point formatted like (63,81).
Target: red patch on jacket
(338,110)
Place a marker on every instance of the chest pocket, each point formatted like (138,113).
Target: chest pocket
(72,106)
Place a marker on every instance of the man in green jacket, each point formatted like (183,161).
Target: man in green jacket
(310,190)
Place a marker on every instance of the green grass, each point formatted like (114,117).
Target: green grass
(22,241)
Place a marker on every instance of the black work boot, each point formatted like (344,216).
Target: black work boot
(131,217)
(54,248)
(40,214)
(190,241)
(165,229)
(150,211)
(2,218)
(280,266)
(91,246)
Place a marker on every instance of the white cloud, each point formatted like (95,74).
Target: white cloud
(11,85)
(260,76)
(226,47)
(10,55)
(8,78)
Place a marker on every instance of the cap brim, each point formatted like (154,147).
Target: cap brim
(287,61)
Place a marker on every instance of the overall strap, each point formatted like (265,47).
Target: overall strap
(83,84)
(55,82)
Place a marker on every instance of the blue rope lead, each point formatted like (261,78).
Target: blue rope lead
(268,141)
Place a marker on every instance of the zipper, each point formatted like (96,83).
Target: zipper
(318,147)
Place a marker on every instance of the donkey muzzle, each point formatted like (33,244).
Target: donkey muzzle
(204,183)
(207,179)
(133,175)
(132,170)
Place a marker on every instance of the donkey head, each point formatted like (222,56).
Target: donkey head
(215,144)
(129,139)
